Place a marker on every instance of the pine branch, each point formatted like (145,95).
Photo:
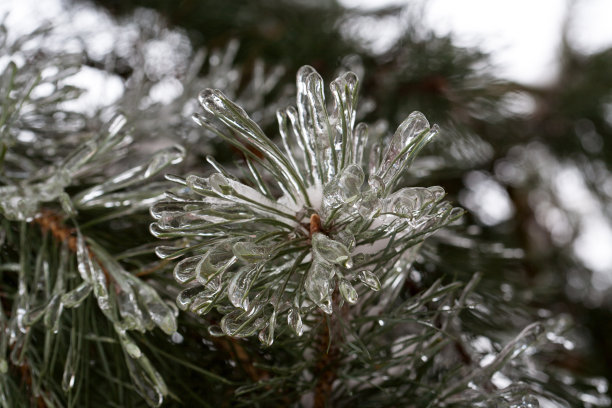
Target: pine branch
(327,363)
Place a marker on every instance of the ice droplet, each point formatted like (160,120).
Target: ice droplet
(294,319)
(185,270)
(161,160)
(167,252)
(215,331)
(53,313)
(411,201)
(266,335)
(330,251)
(348,291)
(68,377)
(240,285)
(438,192)
(249,252)
(77,295)
(219,184)
(319,285)
(369,279)
(527,401)
(133,350)
(240,323)
(186,296)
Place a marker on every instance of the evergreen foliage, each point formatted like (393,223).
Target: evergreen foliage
(314,265)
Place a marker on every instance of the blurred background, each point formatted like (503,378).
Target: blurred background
(522,91)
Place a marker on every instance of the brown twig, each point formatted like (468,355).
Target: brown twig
(153,269)
(326,368)
(53,223)
(26,376)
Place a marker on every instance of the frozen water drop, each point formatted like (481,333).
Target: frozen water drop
(319,285)
(185,270)
(369,279)
(294,319)
(329,250)
(215,331)
(249,252)
(240,285)
(76,296)
(348,291)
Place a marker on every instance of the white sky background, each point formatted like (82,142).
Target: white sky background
(522,35)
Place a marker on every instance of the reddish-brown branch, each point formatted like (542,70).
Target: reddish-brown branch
(328,351)
(26,376)
(53,223)
(326,368)
(153,269)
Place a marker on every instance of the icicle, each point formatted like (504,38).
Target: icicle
(318,285)
(321,131)
(79,157)
(360,140)
(84,264)
(213,265)
(100,288)
(411,201)
(149,383)
(344,90)
(158,311)
(408,139)
(218,105)
(68,377)
(161,160)
(115,127)
(342,190)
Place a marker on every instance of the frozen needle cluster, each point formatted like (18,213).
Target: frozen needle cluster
(304,219)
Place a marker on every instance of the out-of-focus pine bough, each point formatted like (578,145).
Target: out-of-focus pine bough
(51,265)
(77,320)
(164,76)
